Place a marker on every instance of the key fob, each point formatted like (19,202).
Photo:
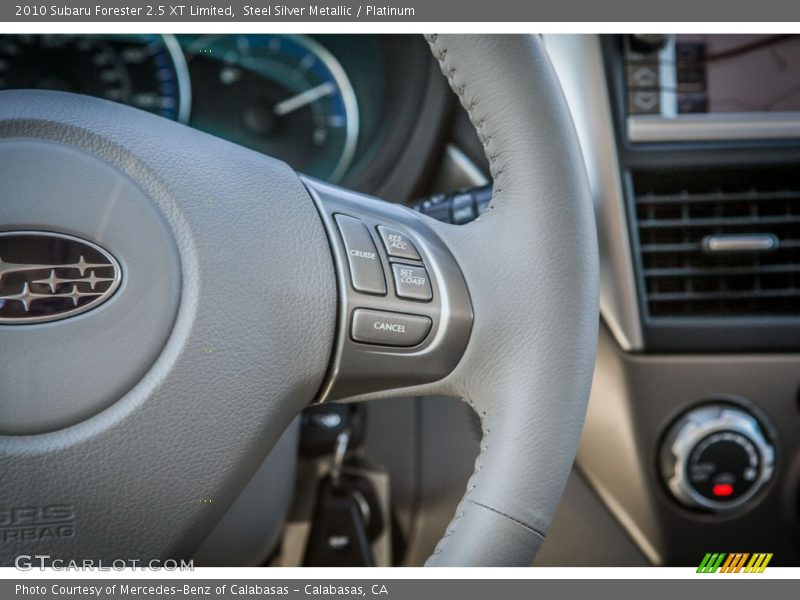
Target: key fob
(338,536)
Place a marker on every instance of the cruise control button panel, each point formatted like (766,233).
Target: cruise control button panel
(397,244)
(404,315)
(366,272)
(412,282)
(389,328)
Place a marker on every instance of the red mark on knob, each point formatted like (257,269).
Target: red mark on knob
(722,489)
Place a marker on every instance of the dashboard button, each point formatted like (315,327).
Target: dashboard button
(412,282)
(463,208)
(643,75)
(389,328)
(437,207)
(644,102)
(366,272)
(483,196)
(397,244)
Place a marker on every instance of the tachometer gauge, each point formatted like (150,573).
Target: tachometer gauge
(286,96)
(145,71)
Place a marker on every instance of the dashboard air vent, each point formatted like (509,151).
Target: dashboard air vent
(719,244)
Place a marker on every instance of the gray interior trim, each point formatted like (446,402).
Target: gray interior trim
(627,521)
(607,454)
(585,533)
(578,62)
(251,528)
(634,400)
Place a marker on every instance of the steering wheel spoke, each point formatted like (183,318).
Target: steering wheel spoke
(404,310)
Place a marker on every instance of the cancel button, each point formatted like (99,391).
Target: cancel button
(389,328)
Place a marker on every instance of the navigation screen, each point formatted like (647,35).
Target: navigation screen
(737,73)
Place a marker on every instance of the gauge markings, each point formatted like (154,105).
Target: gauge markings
(138,70)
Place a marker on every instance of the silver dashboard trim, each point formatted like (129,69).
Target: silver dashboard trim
(578,61)
(718,127)
(464,165)
(753,242)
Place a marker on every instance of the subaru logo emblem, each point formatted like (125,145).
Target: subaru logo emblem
(49,276)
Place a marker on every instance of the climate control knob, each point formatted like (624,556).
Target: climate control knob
(716,457)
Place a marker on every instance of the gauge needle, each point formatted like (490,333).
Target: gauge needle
(304,98)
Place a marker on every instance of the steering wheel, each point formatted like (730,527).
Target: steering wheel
(171,301)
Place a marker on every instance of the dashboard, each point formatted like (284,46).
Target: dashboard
(336,107)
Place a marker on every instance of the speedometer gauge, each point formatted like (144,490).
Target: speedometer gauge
(145,71)
(286,96)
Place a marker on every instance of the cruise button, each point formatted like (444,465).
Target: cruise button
(397,244)
(389,328)
(366,272)
(412,282)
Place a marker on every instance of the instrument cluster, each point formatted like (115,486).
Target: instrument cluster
(315,102)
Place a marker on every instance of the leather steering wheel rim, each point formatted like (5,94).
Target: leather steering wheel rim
(201,405)
(527,370)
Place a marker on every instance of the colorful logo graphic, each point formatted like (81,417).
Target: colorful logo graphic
(737,562)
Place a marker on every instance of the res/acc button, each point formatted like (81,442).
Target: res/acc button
(397,244)
(389,328)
